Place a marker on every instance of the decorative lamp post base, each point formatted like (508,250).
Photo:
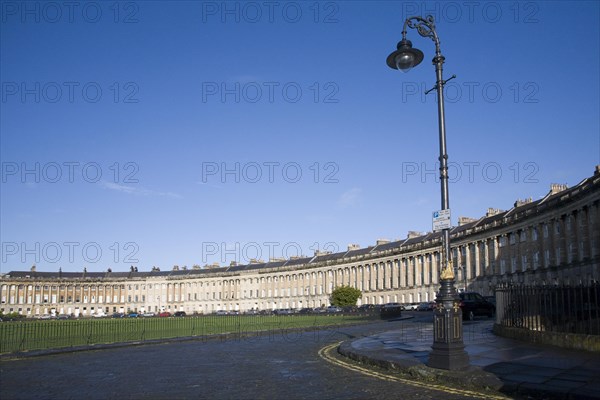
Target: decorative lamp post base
(448,350)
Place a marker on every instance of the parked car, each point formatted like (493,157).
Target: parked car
(305,310)
(179,314)
(366,307)
(333,309)
(411,306)
(491,299)
(430,306)
(133,315)
(164,314)
(148,314)
(221,312)
(393,304)
(473,304)
(391,310)
(118,315)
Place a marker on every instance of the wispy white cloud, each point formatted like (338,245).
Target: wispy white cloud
(350,198)
(140,191)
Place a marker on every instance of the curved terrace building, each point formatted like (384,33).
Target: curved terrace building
(554,239)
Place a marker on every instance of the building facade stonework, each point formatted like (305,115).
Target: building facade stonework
(552,240)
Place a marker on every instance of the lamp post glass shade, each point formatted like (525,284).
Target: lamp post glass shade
(405,57)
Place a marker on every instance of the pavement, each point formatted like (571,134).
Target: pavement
(513,367)
(286,361)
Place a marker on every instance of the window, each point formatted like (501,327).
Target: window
(502,242)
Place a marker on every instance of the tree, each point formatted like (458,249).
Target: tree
(344,296)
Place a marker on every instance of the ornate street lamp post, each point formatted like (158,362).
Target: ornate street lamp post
(448,350)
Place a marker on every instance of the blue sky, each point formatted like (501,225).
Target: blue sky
(158,134)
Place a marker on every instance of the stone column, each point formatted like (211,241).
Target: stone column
(372,277)
(593,230)
(402,272)
(495,261)
(411,271)
(425,270)
(578,235)
(467,265)
(380,275)
(561,240)
(435,268)
(477,260)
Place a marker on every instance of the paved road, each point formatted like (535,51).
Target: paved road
(279,366)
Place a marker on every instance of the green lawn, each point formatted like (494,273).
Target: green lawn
(50,334)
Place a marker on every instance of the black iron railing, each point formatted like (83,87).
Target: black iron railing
(26,335)
(563,309)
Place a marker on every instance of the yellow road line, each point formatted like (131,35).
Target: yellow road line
(324,354)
